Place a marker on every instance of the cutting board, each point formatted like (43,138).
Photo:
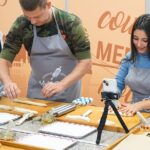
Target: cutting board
(96,114)
(136,131)
(39,109)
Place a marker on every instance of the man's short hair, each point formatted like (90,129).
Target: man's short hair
(30,5)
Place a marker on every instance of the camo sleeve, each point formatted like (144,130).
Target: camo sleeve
(13,41)
(80,41)
(77,37)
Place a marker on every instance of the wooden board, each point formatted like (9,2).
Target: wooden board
(39,109)
(5,147)
(96,114)
(10,145)
(39,141)
(136,131)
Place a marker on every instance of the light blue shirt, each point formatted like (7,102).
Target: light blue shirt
(142,61)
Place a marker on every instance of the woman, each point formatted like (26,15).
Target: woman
(135,67)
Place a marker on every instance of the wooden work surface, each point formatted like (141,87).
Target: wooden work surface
(96,114)
(39,109)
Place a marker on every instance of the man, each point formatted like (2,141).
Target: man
(58,47)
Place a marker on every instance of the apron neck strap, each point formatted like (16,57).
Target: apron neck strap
(53,12)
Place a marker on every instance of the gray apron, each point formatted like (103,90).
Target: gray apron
(138,79)
(51,60)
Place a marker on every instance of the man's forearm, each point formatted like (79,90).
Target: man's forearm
(83,67)
(4,71)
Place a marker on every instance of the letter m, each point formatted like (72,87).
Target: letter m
(104,54)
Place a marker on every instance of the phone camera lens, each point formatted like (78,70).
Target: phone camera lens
(106,82)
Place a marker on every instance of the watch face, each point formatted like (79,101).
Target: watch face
(3,2)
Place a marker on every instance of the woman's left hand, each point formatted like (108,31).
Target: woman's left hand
(128,108)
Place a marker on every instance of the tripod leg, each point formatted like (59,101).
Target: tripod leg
(118,116)
(102,122)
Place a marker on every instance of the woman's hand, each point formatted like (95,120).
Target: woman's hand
(128,108)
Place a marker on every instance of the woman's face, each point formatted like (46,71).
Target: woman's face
(140,40)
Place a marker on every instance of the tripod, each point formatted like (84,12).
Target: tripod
(108,102)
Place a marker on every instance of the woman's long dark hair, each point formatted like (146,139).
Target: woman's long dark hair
(141,23)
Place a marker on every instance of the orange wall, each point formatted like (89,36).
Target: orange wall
(108,24)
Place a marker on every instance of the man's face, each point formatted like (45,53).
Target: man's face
(39,16)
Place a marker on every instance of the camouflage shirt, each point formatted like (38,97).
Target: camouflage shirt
(70,26)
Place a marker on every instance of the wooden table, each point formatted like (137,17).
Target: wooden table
(39,109)
(96,114)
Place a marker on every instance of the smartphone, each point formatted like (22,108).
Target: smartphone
(110,85)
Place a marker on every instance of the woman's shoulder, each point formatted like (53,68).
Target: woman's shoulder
(128,55)
(127,59)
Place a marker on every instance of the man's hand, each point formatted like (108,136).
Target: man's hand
(51,89)
(11,90)
(83,67)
